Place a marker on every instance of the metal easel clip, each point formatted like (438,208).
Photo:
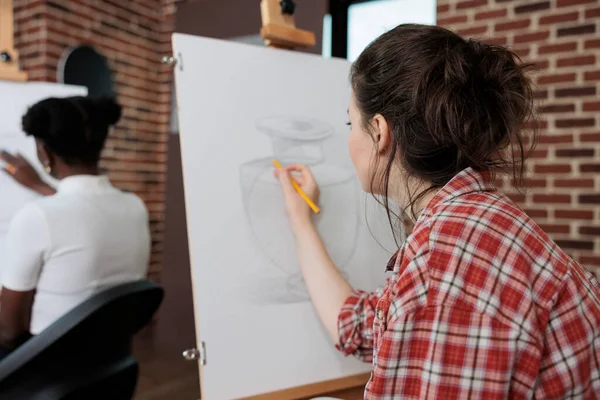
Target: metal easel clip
(173,61)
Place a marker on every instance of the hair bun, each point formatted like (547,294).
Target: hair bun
(107,110)
(39,119)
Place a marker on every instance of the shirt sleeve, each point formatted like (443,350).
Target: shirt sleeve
(355,324)
(27,242)
(570,340)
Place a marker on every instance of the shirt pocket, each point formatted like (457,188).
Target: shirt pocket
(380,319)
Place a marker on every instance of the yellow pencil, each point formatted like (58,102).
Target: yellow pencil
(299,190)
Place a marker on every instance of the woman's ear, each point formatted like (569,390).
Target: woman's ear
(382,134)
(44,155)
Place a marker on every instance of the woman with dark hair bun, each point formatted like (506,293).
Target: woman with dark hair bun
(480,303)
(79,238)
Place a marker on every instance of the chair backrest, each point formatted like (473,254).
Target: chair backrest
(87,347)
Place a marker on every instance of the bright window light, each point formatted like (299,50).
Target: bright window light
(366,21)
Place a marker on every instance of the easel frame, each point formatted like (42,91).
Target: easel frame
(9,67)
(279,32)
(315,389)
(279,29)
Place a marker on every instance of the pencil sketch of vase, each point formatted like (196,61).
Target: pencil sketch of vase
(299,140)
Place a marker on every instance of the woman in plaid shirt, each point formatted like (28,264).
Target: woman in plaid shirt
(480,302)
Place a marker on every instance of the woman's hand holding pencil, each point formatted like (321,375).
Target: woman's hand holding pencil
(300,191)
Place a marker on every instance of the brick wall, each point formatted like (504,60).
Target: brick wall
(132,35)
(563,38)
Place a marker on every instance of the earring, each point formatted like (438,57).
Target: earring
(48,169)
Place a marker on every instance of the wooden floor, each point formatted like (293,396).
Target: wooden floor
(169,377)
(163,376)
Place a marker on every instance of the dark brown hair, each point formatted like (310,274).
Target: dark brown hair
(451,104)
(73,128)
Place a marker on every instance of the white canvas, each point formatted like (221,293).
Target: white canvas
(16,98)
(239,106)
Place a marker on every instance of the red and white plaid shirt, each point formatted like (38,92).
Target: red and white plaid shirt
(482,304)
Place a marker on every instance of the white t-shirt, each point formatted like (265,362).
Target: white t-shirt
(87,237)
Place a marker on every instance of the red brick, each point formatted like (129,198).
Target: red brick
(592,106)
(532,183)
(522,52)
(590,230)
(443,8)
(512,25)
(540,94)
(575,123)
(541,64)
(556,78)
(589,168)
(452,20)
(532,37)
(575,92)
(568,153)
(575,244)
(558,18)
(589,260)
(557,48)
(539,153)
(490,14)
(536,213)
(567,3)
(592,75)
(573,214)
(552,198)
(555,139)
(590,137)
(531,7)
(552,169)
(475,30)
(471,4)
(589,199)
(576,30)
(502,41)
(574,183)
(576,61)
(551,228)
(592,13)
(537,124)
(516,197)
(556,108)
(592,44)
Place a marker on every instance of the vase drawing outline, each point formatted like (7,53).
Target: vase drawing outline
(299,140)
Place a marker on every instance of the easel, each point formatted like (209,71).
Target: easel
(9,57)
(279,26)
(279,31)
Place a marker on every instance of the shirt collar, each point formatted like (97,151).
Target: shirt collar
(84,184)
(465,182)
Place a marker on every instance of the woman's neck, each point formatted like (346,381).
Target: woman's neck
(423,201)
(411,199)
(77,170)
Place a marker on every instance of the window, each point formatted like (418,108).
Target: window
(356,23)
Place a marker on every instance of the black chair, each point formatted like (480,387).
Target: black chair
(85,355)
